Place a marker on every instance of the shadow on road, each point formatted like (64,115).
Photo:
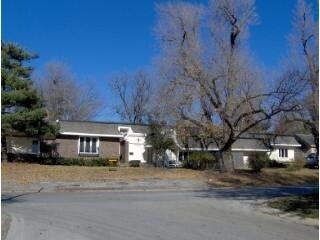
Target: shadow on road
(11,198)
(255,193)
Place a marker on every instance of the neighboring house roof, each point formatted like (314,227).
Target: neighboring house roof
(192,143)
(274,140)
(256,142)
(306,140)
(108,129)
(242,144)
(247,144)
(287,141)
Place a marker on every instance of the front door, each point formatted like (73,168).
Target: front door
(124,149)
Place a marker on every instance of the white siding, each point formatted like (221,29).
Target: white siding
(136,143)
(246,161)
(311,150)
(274,155)
(170,156)
(136,148)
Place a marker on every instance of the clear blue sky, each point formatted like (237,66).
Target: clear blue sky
(98,38)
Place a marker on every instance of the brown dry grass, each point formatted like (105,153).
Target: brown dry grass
(23,173)
(267,177)
(306,206)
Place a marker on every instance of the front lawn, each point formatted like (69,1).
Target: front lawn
(267,177)
(24,173)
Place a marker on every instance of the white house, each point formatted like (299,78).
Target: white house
(284,149)
(308,145)
(136,143)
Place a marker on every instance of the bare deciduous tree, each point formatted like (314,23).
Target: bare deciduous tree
(305,55)
(282,126)
(134,93)
(65,98)
(212,82)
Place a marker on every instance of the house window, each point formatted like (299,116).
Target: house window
(123,130)
(88,145)
(283,152)
(35,146)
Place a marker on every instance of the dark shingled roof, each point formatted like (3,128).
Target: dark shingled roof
(247,143)
(193,142)
(306,139)
(103,128)
(242,143)
(274,139)
(286,140)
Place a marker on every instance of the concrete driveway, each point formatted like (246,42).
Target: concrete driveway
(226,214)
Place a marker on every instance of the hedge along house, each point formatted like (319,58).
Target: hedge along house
(88,139)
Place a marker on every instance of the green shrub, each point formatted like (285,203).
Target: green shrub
(199,160)
(27,158)
(275,164)
(100,162)
(257,161)
(134,163)
(77,162)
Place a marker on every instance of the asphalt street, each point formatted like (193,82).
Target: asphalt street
(226,214)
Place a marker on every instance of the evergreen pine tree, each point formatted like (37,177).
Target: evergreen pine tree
(22,109)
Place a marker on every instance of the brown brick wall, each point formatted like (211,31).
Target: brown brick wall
(109,147)
(67,147)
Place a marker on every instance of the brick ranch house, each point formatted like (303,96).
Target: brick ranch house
(126,142)
(88,139)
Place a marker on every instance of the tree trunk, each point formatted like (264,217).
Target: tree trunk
(225,161)
(219,156)
(4,152)
(228,161)
(315,134)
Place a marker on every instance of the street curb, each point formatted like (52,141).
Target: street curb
(16,228)
(147,189)
(114,190)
